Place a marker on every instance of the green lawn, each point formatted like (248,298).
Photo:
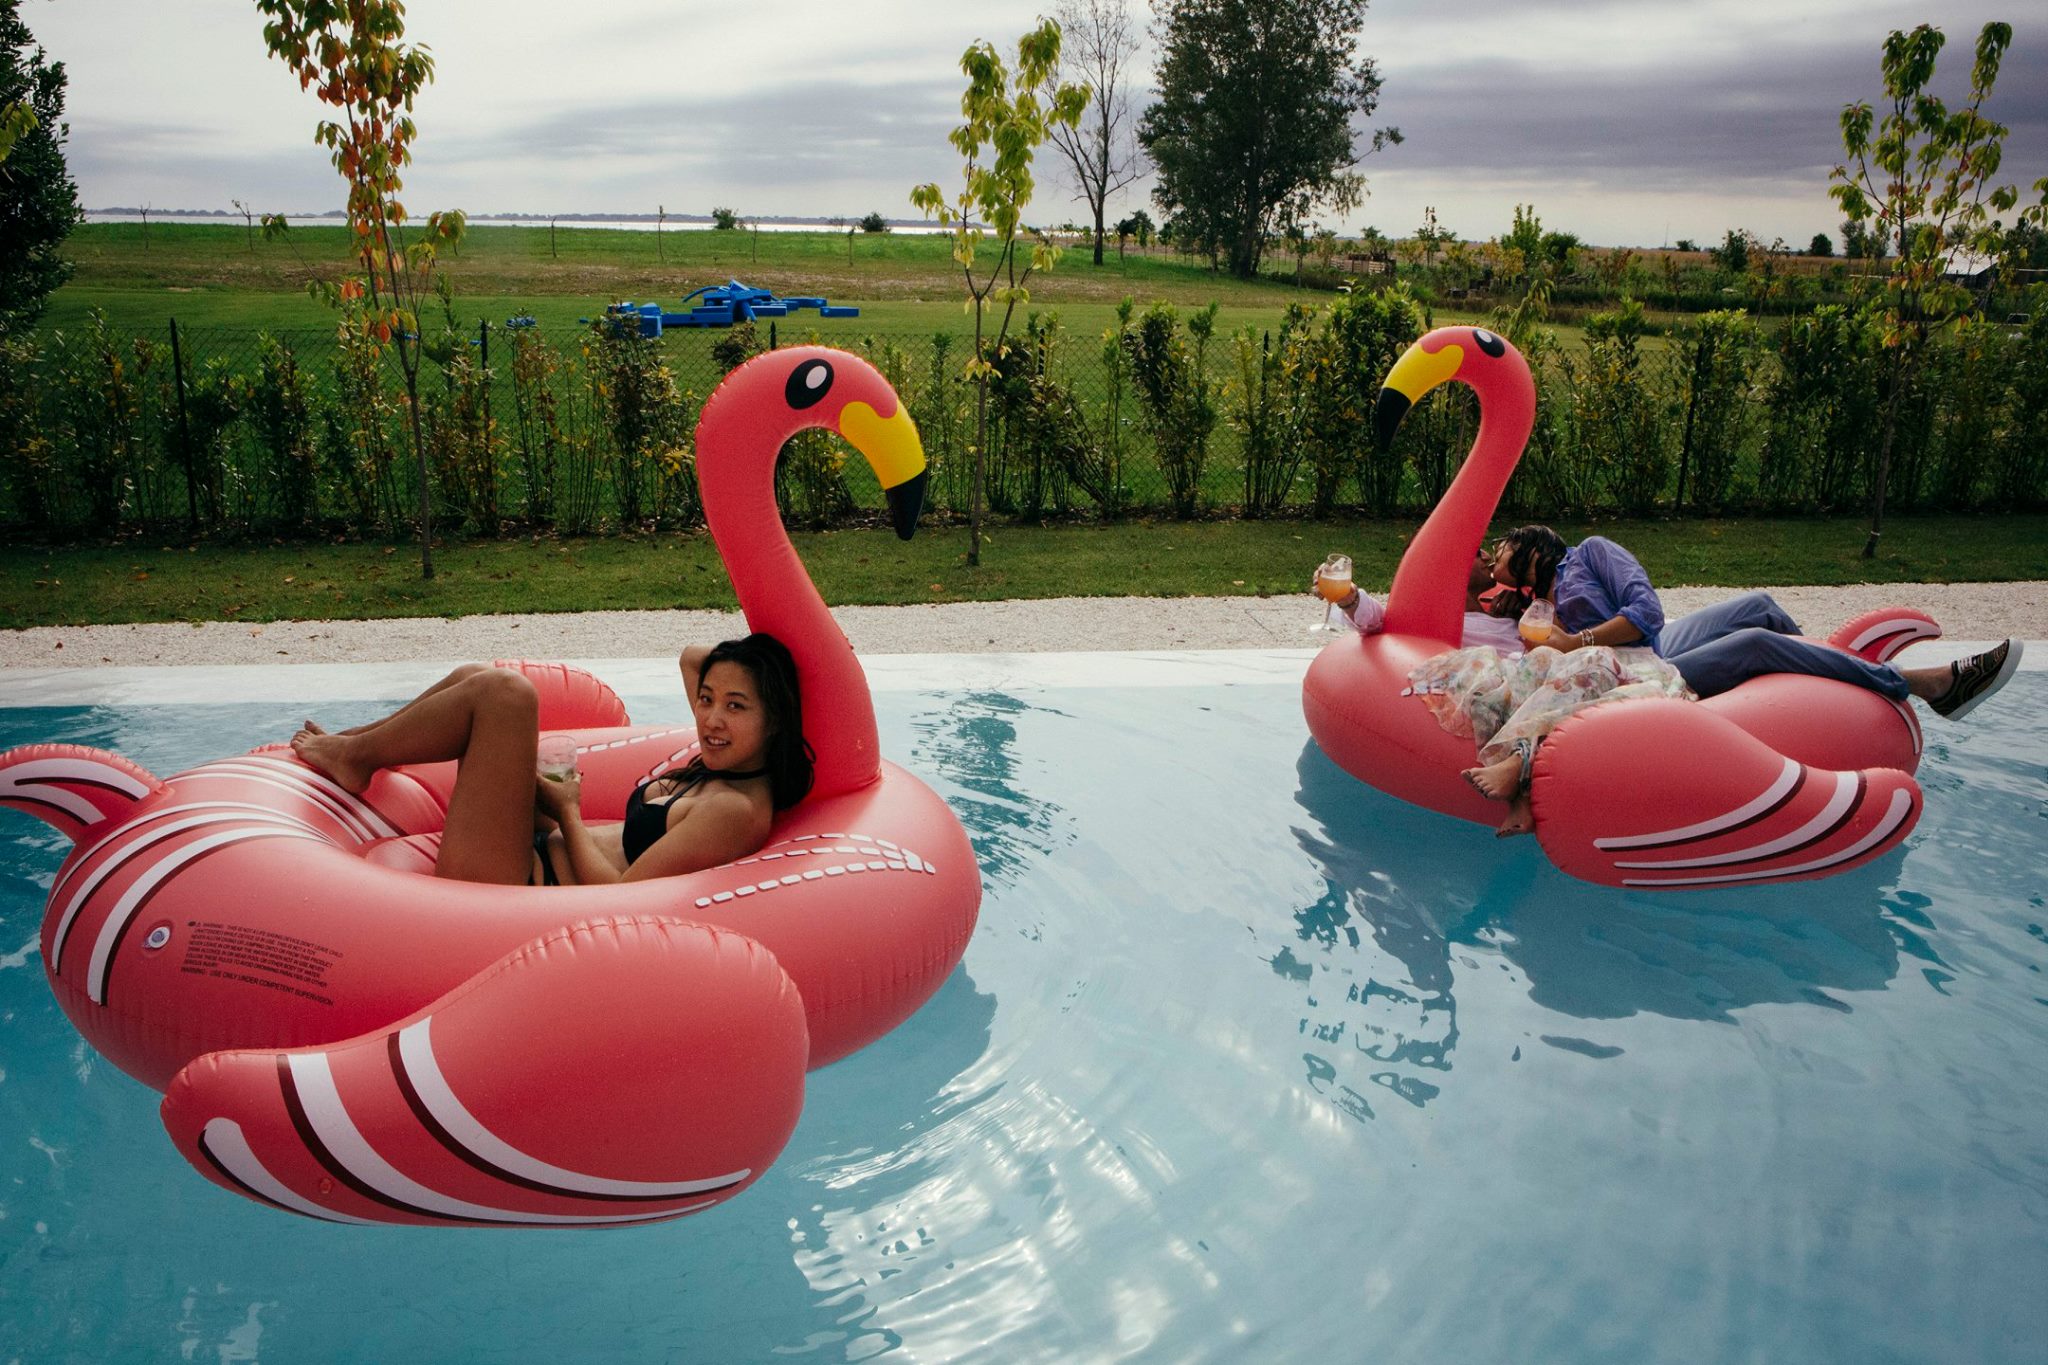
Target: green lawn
(211,275)
(158,580)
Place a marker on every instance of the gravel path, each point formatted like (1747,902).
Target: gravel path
(1967,611)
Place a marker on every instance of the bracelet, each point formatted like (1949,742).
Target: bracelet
(1586,640)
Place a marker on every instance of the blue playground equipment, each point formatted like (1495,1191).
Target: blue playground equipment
(720,305)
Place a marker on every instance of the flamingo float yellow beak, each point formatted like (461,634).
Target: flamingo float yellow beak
(1414,374)
(893,450)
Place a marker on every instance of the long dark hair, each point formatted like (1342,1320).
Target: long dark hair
(1534,552)
(789,758)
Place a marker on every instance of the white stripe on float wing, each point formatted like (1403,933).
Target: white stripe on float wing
(232,772)
(1907,628)
(363,809)
(1894,816)
(321,787)
(230,812)
(131,899)
(222,1139)
(1685,833)
(417,1049)
(346,1144)
(1912,722)
(1844,795)
(82,770)
(37,779)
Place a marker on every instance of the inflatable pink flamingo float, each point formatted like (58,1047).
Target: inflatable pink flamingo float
(342,1035)
(1781,778)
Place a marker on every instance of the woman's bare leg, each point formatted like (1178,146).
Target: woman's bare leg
(1521,817)
(489,721)
(461,673)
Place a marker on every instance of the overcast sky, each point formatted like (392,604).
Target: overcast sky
(1631,122)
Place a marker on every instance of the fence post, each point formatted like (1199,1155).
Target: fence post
(483,342)
(771,334)
(184,433)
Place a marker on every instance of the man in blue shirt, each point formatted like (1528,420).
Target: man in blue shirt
(1604,597)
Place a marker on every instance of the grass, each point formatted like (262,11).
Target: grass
(158,580)
(211,275)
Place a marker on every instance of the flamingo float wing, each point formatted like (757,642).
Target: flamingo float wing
(1665,794)
(614,1071)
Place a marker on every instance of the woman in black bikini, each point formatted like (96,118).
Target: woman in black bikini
(752,762)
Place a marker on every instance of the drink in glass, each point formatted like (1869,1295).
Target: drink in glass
(1537,620)
(1333,585)
(557,757)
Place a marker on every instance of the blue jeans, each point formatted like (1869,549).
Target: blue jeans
(1745,637)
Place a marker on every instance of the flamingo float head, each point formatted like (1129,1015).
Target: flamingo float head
(1429,587)
(780,393)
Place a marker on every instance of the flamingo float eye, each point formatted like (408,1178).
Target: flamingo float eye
(1489,343)
(808,383)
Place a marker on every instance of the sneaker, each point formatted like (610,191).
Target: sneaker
(1973,679)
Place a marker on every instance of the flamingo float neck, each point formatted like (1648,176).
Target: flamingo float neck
(743,428)
(1428,596)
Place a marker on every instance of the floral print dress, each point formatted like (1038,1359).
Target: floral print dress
(1506,704)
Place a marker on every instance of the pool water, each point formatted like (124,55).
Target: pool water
(1245,1062)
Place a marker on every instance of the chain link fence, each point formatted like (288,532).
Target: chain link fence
(295,432)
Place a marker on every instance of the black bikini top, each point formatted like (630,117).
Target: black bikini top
(646,821)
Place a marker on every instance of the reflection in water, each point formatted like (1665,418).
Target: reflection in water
(968,750)
(1422,884)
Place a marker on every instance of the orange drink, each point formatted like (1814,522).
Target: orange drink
(1334,589)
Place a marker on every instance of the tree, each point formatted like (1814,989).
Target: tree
(1252,130)
(1685,244)
(1002,132)
(1097,43)
(874,222)
(38,201)
(1821,245)
(1526,236)
(353,55)
(1923,175)
(1733,253)
(1139,225)
(724,220)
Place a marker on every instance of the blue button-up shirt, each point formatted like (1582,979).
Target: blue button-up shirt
(1598,581)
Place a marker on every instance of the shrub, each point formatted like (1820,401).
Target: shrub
(1618,420)
(281,417)
(1719,366)
(1173,383)
(1824,406)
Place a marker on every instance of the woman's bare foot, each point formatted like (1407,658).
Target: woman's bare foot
(1497,781)
(334,755)
(1521,819)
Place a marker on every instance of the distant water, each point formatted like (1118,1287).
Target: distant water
(607,224)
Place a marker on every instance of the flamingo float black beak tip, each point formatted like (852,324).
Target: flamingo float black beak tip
(1393,405)
(906,501)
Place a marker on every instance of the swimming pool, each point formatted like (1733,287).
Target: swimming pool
(1245,1062)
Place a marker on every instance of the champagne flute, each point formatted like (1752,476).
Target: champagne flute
(1333,585)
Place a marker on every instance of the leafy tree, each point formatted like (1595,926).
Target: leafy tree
(1139,225)
(1821,245)
(1685,244)
(1252,130)
(1526,236)
(353,55)
(1097,42)
(724,220)
(38,201)
(1923,175)
(1006,124)
(874,222)
(1733,253)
